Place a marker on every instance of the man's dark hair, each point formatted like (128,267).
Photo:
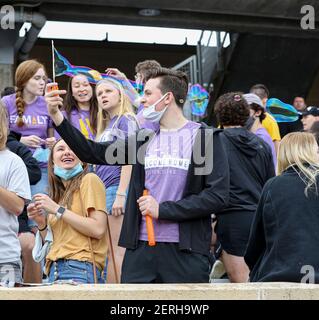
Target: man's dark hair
(299,97)
(260,90)
(7,91)
(256,108)
(232,109)
(171,81)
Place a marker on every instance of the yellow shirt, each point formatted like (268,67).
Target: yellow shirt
(69,243)
(270,124)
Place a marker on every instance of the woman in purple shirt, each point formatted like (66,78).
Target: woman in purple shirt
(116,120)
(80,106)
(28,115)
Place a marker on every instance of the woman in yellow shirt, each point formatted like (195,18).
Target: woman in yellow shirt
(75,212)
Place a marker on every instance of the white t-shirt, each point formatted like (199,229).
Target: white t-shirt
(13,177)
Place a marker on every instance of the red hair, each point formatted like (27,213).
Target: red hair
(25,71)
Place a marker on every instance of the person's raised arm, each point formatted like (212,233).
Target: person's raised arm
(87,151)
(120,152)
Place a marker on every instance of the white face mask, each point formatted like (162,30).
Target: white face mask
(151,114)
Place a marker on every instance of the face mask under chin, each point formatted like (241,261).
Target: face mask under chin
(151,114)
(67,174)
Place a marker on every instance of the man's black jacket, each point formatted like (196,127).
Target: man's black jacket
(206,191)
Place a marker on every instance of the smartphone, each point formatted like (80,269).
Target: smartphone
(52,86)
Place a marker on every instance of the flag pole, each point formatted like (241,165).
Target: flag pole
(53,62)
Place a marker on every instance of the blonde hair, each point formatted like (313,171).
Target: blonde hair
(25,71)
(125,109)
(4,130)
(299,151)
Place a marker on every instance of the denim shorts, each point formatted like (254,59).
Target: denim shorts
(78,271)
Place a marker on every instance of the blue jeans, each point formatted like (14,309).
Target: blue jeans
(40,187)
(78,271)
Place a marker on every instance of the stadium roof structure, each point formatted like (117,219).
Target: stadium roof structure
(256,16)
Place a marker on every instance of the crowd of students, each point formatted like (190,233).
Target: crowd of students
(86,169)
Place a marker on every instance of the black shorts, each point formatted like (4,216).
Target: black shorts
(233,230)
(164,263)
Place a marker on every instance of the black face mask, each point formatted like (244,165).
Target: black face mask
(249,123)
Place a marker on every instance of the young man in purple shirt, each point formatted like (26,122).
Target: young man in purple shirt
(186,180)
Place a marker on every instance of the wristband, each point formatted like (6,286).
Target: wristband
(122,194)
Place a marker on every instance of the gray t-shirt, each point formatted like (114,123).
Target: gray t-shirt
(14,178)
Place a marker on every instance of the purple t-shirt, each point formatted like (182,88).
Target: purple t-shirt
(36,118)
(80,119)
(117,129)
(166,166)
(263,134)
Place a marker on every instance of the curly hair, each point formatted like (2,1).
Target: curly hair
(25,71)
(231,109)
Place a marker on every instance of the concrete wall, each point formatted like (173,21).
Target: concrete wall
(6,76)
(221,291)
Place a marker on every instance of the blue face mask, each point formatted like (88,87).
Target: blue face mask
(67,174)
